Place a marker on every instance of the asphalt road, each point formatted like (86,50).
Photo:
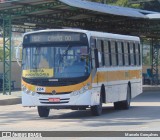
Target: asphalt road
(144,115)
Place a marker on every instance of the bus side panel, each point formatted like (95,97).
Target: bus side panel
(123,91)
(136,88)
(112,93)
(116,91)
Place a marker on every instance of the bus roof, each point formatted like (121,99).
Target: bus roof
(91,33)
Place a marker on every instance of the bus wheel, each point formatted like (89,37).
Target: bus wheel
(124,104)
(97,109)
(43,111)
(117,105)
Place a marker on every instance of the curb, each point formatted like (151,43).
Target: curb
(155,88)
(13,101)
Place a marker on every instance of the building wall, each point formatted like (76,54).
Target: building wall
(15,74)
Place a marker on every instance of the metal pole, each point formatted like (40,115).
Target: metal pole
(7,54)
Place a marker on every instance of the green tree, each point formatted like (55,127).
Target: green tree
(120,2)
(1,53)
(123,3)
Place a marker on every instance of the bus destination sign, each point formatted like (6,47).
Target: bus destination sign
(54,37)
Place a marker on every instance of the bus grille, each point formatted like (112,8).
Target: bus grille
(61,93)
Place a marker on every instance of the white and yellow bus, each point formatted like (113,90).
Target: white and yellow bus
(79,69)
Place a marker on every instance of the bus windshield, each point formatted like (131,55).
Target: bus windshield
(55,61)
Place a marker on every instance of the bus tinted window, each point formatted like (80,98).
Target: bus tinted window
(120,54)
(132,60)
(126,58)
(99,50)
(107,53)
(134,51)
(102,49)
(113,53)
(93,43)
(139,54)
(137,51)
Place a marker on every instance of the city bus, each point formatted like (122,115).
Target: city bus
(79,69)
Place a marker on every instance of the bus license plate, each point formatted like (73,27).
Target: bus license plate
(54,99)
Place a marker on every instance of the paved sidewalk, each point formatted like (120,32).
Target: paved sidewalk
(14,98)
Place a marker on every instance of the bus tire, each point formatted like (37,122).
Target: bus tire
(43,111)
(126,103)
(118,105)
(97,109)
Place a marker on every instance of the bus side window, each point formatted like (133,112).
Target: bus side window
(132,61)
(123,57)
(107,53)
(129,56)
(126,58)
(137,51)
(102,48)
(93,46)
(98,46)
(113,53)
(120,54)
(134,53)
(110,55)
(116,45)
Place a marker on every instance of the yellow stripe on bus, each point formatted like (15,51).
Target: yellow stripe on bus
(109,76)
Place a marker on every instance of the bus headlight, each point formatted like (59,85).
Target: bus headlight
(23,88)
(33,93)
(27,91)
(81,91)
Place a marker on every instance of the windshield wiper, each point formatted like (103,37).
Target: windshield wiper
(68,48)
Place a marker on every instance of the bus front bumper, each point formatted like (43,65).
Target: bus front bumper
(88,98)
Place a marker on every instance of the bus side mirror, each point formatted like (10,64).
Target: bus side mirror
(96,54)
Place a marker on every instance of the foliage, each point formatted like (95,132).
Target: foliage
(146,59)
(123,3)
(120,2)
(1,53)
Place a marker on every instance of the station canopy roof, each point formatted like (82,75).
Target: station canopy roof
(81,14)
